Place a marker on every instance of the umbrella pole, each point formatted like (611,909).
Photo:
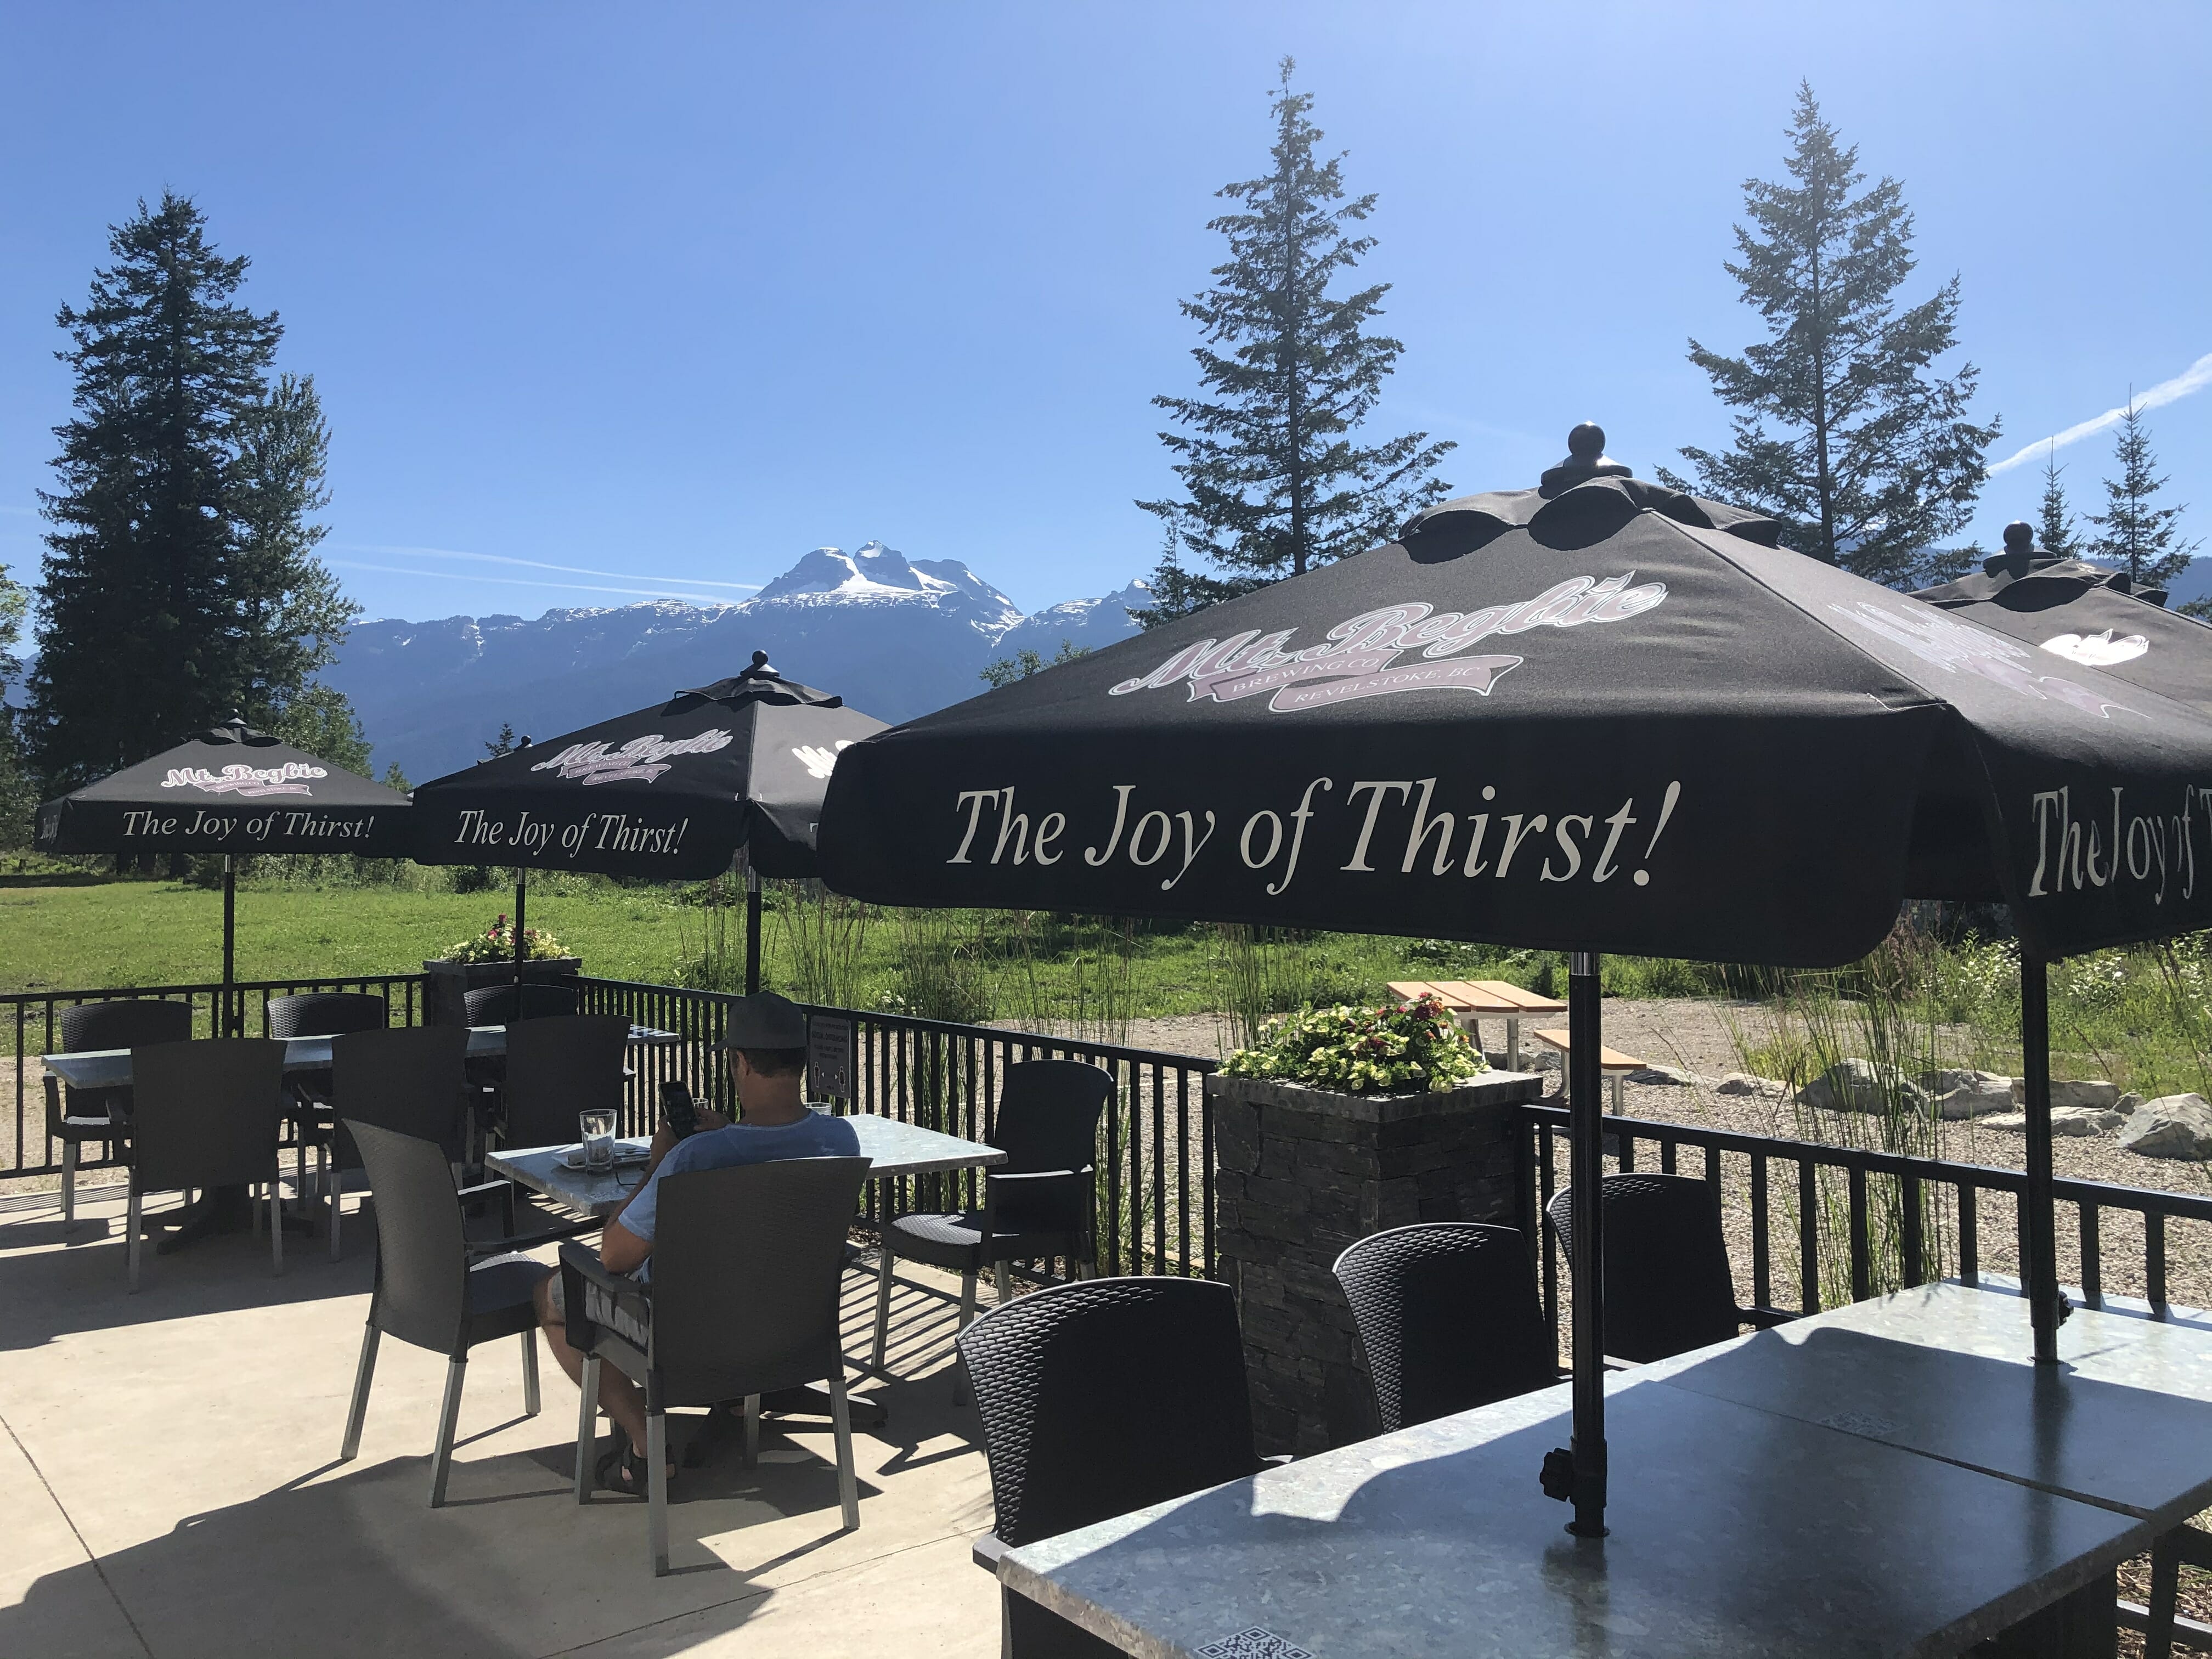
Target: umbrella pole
(230,1023)
(752,930)
(2040,1271)
(521,891)
(1586,1137)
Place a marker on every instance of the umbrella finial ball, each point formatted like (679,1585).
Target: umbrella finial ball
(2019,536)
(1587,442)
(760,659)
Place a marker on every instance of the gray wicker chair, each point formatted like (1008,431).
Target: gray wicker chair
(433,1288)
(1667,1286)
(1098,1398)
(206,1114)
(1037,1204)
(408,1079)
(74,1116)
(743,1301)
(1448,1318)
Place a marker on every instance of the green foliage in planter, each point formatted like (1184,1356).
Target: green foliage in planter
(497,943)
(1396,1048)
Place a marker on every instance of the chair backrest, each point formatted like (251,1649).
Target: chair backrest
(421,1253)
(558,1067)
(1102,1396)
(126,1024)
(1048,1119)
(504,1005)
(1449,1317)
(412,1080)
(207,1113)
(1048,1115)
(326,1013)
(747,1263)
(1668,1287)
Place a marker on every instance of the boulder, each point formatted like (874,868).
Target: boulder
(2075,1121)
(2101,1096)
(1743,1083)
(2173,1125)
(1860,1086)
(1962,1092)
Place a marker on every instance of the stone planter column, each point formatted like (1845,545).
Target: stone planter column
(1301,1174)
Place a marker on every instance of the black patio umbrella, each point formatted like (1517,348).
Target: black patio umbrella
(230,790)
(1597,715)
(2086,615)
(670,793)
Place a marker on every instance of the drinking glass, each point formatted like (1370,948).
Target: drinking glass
(599,1137)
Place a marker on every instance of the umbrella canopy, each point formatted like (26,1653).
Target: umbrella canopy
(669,792)
(1597,715)
(2085,615)
(229,790)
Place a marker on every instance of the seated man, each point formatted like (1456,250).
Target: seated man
(767,1045)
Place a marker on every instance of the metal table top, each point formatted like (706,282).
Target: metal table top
(110,1068)
(2124,1420)
(1735,1532)
(895,1149)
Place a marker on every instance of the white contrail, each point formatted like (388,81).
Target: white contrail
(523,581)
(2195,378)
(539,564)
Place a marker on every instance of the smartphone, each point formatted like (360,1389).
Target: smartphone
(677,1107)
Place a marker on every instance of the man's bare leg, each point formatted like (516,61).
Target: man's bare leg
(619,1397)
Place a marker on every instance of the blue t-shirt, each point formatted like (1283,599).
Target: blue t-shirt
(815,1135)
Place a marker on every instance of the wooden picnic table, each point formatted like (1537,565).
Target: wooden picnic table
(1473,1000)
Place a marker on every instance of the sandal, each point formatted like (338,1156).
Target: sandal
(623,1471)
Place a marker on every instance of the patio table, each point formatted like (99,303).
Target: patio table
(1745,1533)
(110,1068)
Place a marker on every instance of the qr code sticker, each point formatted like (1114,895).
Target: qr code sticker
(1253,1643)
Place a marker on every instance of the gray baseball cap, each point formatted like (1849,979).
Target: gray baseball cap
(765,1020)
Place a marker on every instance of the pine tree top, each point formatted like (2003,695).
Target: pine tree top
(2139,537)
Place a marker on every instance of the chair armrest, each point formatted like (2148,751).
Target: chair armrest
(986,1550)
(53,1104)
(505,1188)
(1035,1186)
(1276,1460)
(1764,1319)
(531,1241)
(587,1265)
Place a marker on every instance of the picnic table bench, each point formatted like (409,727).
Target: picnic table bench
(1473,1000)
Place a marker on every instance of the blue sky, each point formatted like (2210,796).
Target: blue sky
(674,293)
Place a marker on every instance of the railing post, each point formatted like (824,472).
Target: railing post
(2040,1269)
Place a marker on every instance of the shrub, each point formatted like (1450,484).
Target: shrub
(1397,1049)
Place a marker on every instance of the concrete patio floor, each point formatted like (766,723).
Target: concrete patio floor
(168,1487)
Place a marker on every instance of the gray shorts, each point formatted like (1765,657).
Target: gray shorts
(601,1310)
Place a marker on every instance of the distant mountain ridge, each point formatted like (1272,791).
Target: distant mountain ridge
(894,637)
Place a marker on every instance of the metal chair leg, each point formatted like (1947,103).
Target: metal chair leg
(883,1301)
(2165,1592)
(334,1184)
(967,1318)
(531,1402)
(275,1229)
(656,1484)
(131,1228)
(587,1426)
(69,1183)
(752,1430)
(840,1417)
(449,1417)
(1002,1279)
(358,1413)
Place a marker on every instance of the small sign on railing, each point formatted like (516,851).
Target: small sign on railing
(829,1057)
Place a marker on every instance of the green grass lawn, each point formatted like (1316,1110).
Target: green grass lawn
(61,935)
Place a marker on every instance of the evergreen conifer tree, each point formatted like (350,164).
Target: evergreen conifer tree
(1846,434)
(1275,483)
(17,799)
(2139,538)
(2057,530)
(179,585)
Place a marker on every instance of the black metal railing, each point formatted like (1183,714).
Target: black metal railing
(32,1021)
(1155,1188)
(1835,1225)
